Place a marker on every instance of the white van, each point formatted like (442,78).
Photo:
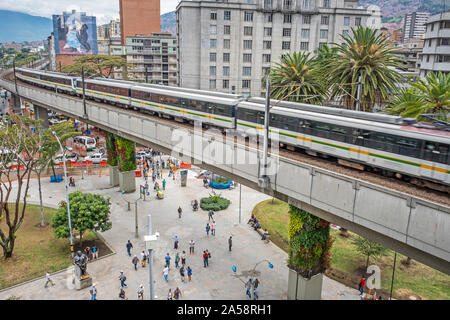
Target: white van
(88,142)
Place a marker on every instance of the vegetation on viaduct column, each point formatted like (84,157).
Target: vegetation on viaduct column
(126,150)
(310,243)
(111,150)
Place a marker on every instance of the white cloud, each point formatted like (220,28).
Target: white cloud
(104,10)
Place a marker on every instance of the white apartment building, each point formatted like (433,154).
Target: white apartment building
(415,25)
(436,50)
(229,46)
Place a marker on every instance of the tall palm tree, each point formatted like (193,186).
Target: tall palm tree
(366,54)
(297,78)
(425,96)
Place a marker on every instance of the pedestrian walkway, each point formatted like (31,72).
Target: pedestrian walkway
(217,281)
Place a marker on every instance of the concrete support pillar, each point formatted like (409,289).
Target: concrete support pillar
(42,114)
(300,288)
(15,103)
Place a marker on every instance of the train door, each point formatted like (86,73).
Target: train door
(358,149)
(438,155)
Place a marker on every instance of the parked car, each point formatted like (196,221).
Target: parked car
(69,157)
(96,158)
(144,154)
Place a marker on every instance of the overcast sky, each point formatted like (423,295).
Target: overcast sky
(104,10)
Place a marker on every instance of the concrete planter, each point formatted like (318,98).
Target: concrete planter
(127,181)
(300,288)
(114,176)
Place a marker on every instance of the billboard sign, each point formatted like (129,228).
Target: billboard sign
(75,33)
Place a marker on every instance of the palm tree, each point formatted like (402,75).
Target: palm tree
(425,96)
(365,54)
(297,78)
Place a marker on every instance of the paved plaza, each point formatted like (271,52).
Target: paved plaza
(214,282)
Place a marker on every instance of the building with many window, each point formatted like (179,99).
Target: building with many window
(154,58)
(436,50)
(229,46)
(139,17)
(414,27)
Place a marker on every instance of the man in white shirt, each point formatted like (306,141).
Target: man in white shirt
(47,277)
(166,273)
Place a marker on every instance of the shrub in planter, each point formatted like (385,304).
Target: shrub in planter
(126,151)
(220,180)
(214,202)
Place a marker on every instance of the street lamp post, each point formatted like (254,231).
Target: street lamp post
(67,191)
(150,240)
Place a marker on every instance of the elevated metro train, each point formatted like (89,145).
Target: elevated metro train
(386,144)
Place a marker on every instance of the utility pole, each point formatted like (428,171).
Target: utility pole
(84,92)
(263,180)
(358,95)
(393,274)
(146,74)
(240,199)
(136,218)
(150,266)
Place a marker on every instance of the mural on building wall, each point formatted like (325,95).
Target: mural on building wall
(75,33)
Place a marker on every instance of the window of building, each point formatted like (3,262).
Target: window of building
(428,58)
(345,33)
(305,33)
(212,70)
(212,84)
(246,84)
(213,43)
(323,34)
(213,15)
(226,43)
(304,46)
(429,42)
(226,29)
(212,57)
(306,19)
(445,42)
(444,24)
(443,58)
(287,18)
(227,15)
(213,29)
(246,71)
(226,71)
(306,4)
(248,16)
(267,44)
(268,4)
(267,32)
(286,45)
(326,3)
(265,71)
(248,31)
(266,58)
(286,32)
(357,21)
(324,20)
(226,57)
(322,44)
(432,27)
(287,4)
(247,57)
(226,84)
(346,21)
(268,17)
(247,44)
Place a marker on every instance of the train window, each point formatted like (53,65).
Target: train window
(184,103)
(409,147)
(436,152)
(339,133)
(196,105)
(247,115)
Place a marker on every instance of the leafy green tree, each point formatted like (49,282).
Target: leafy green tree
(424,96)
(364,53)
(88,211)
(96,65)
(297,78)
(369,248)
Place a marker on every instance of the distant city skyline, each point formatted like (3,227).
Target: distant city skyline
(104,10)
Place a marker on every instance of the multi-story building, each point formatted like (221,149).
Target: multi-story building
(436,50)
(397,36)
(154,58)
(414,27)
(229,46)
(114,30)
(103,39)
(139,17)
(411,51)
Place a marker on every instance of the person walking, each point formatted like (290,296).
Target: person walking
(135,261)
(191,247)
(129,246)
(205,259)
(207,229)
(210,215)
(230,243)
(140,292)
(143,259)
(183,258)
(175,242)
(167,257)
(122,279)
(169,295)
(47,277)
(177,294)
(213,228)
(93,292)
(255,289)
(177,260)
(87,251)
(362,284)
(182,271)
(180,212)
(164,184)
(248,287)
(189,273)
(94,252)
(166,273)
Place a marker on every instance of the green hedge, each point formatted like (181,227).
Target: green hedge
(126,150)
(220,180)
(214,202)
